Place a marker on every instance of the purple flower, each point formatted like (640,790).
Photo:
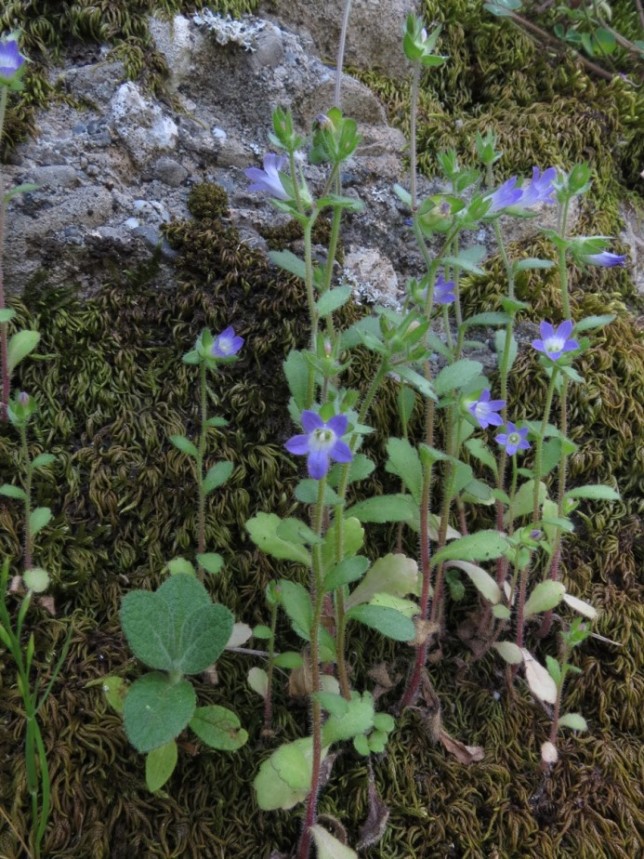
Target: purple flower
(10,58)
(484,410)
(541,188)
(553,343)
(321,444)
(268,179)
(227,344)
(444,290)
(605,259)
(507,195)
(513,439)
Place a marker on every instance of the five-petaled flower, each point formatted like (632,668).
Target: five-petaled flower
(484,410)
(321,443)
(513,439)
(540,189)
(227,344)
(269,179)
(444,291)
(605,259)
(507,195)
(10,58)
(553,343)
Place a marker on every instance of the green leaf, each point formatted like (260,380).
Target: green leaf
(420,383)
(333,299)
(284,779)
(501,612)
(159,765)
(481,546)
(42,460)
(352,540)
(115,690)
(262,632)
(184,445)
(347,571)
(296,602)
(217,475)
(545,596)
(289,659)
(348,721)
(177,628)
(6,315)
(573,720)
(333,703)
(296,369)
(554,669)
(156,710)
(212,562)
(295,531)
(595,492)
(11,491)
(468,259)
(306,491)
(360,467)
(509,651)
(603,41)
(481,579)
(216,422)
(258,681)
(532,262)
(456,375)
(387,621)
(479,450)
(491,318)
(263,531)
(219,728)
(403,460)
(181,566)
(20,345)
(523,501)
(394,574)
(289,262)
(590,323)
(385,508)
(38,519)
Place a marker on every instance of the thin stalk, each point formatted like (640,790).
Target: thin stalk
(538,454)
(28,548)
(337,97)
(4,326)
(203,431)
(317,596)
(270,670)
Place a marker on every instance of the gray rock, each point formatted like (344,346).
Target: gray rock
(170,172)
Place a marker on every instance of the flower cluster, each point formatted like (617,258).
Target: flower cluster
(553,344)
(11,61)
(484,410)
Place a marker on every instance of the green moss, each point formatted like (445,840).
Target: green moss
(207,201)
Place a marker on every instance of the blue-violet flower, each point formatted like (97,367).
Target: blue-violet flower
(553,343)
(513,439)
(321,443)
(227,344)
(541,188)
(484,410)
(507,195)
(10,58)
(268,179)
(444,290)
(605,259)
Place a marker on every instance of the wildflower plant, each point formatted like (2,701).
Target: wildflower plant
(403,597)
(22,343)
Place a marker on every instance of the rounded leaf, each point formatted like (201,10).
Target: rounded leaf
(218,728)
(157,710)
(159,765)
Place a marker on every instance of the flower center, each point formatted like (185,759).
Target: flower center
(514,438)
(555,344)
(322,439)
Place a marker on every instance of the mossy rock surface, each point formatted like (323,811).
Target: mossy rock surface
(115,388)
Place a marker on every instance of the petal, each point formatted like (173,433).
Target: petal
(338,423)
(565,329)
(311,421)
(546,330)
(298,444)
(539,345)
(255,174)
(318,464)
(341,452)
(494,420)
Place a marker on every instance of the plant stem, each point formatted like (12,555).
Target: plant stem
(4,326)
(317,596)
(337,98)
(203,431)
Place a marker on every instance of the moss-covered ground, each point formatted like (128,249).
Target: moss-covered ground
(113,388)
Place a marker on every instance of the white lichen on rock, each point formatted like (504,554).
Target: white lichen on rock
(226,29)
